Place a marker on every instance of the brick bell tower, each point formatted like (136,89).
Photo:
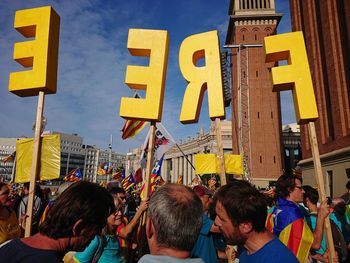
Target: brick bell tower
(256,114)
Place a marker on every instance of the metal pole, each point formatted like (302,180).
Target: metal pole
(13,170)
(109,158)
(185,156)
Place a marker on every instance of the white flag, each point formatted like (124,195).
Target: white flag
(163,141)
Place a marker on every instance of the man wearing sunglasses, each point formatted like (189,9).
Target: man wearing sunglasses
(289,223)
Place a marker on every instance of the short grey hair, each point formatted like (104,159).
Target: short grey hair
(176,212)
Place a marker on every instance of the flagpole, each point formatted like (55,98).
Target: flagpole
(13,170)
(109,157)
(185,156)
(320,182)
(149,158)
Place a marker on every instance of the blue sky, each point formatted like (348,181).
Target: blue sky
(92,62)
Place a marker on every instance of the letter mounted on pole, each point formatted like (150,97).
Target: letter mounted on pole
(200,79)
(296,75)
(153,44)
(41,53)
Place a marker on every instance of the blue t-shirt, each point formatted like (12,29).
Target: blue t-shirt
(111,251)
(272,251)
(204,247)
(311,220)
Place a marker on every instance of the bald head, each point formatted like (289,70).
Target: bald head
(176,213)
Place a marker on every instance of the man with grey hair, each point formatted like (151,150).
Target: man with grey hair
(173,222)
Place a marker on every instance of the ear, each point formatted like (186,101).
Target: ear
(78,227)
(245,227)
(149,228)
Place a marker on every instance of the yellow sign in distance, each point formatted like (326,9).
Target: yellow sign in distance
(201,78)
(153,44)
(41,53)
(208,164)
(296,75)
(50,159)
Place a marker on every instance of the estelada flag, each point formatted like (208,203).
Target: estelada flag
(73,176)
(128,182)
(9,158)
(291,228)
(156,179)
(117,175)
(105,168)
(132,127)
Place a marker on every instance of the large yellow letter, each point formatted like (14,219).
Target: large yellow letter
(296,75)
(200,79)
(153,44)
(41,54)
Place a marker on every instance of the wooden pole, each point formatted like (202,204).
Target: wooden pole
(35,162)
(221,160)
(220,154)
(149,164)
(319,180)
(143,248)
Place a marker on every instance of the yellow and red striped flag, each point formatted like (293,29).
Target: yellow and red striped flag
(132,127)
(291,228)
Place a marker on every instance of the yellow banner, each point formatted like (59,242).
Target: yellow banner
(233,164)
(208,164)
(50,161)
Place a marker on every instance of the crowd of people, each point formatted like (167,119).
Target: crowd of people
(85,222)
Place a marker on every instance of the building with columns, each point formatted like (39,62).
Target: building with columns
(177,163)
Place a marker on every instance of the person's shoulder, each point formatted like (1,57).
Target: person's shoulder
(159,259)
(16,251)
(280,251)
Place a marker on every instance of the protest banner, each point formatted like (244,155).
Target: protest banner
(42,23)
(296,76)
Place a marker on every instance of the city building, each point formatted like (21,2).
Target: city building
(7,147)
(74,154)
(91,163)
(116,160)
(291,145)
(256,113)
(326,28)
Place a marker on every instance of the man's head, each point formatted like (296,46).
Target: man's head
(174,218)
(241,209)
(310,196)
(120,192)
(290,187)
(204,194)
(26,188)
(79,213)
